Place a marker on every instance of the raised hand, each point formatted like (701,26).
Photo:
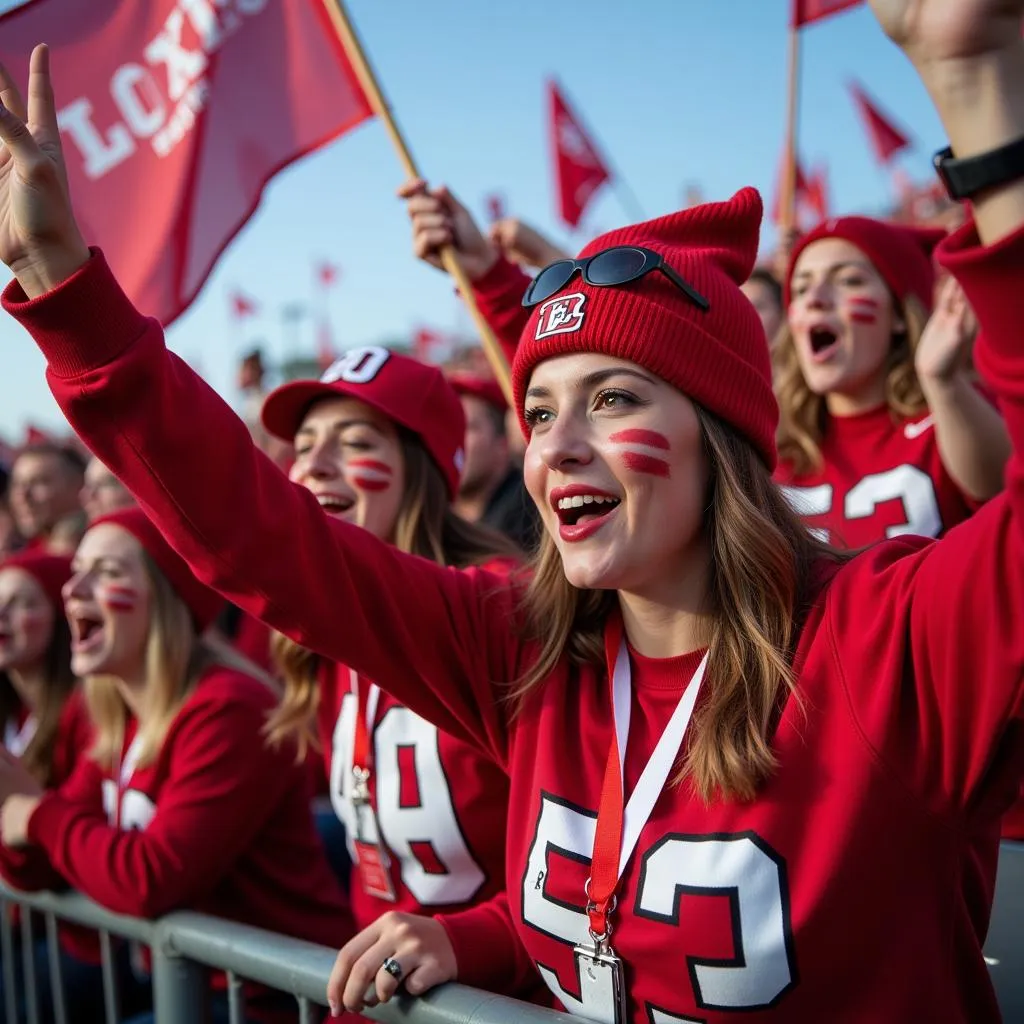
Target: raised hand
(523,244)
(439,219)
(938,30)
(39,239)
(945,346)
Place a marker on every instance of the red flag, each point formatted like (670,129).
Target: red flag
(806,11)
(495,208)
(579,170)
(36,435)
(175,114)
(815,194)
(326,274)
(242,307)
(886,139)
(427,343)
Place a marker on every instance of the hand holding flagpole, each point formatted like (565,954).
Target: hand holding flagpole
(371,87)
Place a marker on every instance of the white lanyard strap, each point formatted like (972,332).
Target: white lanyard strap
(17,740)
(126,767)
(656,772)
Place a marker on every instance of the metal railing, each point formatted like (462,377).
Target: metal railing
(184,944)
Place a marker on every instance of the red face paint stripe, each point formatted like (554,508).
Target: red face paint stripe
(645,464)
(371,464)
(863,318)
(119,598)
(650,438)
(863,304)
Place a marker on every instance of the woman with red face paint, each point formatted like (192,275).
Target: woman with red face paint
(883,430)
(727,742)
(378,442)
(179,803)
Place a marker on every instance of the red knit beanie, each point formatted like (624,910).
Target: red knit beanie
(414,395)
(201,601)
(51,572)
(718,357)
(901,254)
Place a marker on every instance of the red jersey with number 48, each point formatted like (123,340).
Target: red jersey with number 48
(855,887)
(439,804)
(882,477)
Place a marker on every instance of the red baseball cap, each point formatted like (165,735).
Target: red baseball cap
(487,389)
(414,395)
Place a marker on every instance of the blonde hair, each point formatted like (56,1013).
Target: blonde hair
(803,414)
(176,659)
(762,583)
(425,525)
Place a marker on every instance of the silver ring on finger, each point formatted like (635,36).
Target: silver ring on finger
(393,967)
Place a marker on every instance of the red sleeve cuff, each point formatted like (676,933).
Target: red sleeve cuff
(48,820)
(503,283)
(486,952)
(83,324)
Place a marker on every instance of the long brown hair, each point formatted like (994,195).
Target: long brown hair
(177,656)
(762,582)
(425,526)
(59,682)
(803,414)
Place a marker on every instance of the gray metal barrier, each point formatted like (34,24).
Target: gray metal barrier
(183,944)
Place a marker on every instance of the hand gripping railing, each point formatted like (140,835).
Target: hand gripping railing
(184,943)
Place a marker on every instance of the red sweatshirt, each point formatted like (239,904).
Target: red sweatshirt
(217,823)
(881,477)
(857,886)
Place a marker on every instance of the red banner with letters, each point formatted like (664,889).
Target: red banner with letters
(175,114)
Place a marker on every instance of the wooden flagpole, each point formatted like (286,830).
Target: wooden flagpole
(371,87)
(787,206)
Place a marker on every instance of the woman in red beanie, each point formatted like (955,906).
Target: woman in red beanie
(379,442)
(728,744)
(44,721)
(883,430)
(180,801)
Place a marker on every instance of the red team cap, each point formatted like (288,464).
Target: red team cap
(718,356)
(414,395)
(51,572)
(201,601)
(485,388)
(902,255)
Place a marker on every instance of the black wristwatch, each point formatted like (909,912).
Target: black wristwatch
(965,178)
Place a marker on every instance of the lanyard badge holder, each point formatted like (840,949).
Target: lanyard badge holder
(617,830)
(372,859)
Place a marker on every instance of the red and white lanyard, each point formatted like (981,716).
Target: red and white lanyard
(124,769)
(366,713)
(16,740)
(618,829)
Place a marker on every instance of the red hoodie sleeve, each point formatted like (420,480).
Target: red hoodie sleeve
(487,947)
(437,639)
(223,782)
(927,636)
(499,296)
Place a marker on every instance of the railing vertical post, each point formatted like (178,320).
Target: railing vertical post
(179,987)
(10,968)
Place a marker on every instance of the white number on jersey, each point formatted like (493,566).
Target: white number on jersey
(137,810)
(907,484)
(436,864)
(740,866)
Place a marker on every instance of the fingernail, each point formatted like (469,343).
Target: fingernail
(334,1008)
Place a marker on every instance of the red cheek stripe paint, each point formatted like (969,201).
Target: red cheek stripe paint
(863,311)
(369,474)
(645,464)
(119,599)
(649,438)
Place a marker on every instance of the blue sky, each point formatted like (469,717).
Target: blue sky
(677,92)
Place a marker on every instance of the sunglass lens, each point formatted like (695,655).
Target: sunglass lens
(616,266)
(550,280)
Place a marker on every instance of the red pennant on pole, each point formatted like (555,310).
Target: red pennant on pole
(815,194)
(326,274)
(806,11)
(579,170)
(495,208)
(242,307)
(176,115)
(800,186)
(886,139)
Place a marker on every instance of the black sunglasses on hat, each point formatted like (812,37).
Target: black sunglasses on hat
(618,265)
